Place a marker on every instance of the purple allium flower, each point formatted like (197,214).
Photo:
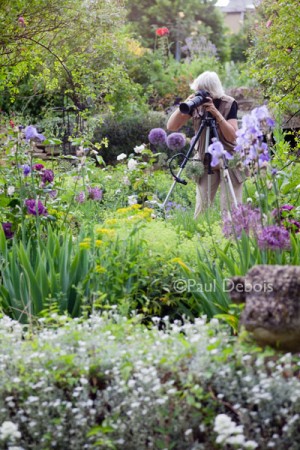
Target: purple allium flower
(176,141)
(32,133)
(157,136)
(274,237)
(243,218)
(35,207)
(7,228)
(26,169)
(47,176)
(80,197)
(38,167)
(217,151)
(95,193)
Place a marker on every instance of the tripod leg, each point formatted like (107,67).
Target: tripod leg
(230,186)
(170,191)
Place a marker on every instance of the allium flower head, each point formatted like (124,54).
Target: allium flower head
(274,237)
(7,228)
(243,218)
(38,167)
(47,176)
(95,193)
(162,31)
(32,133)
(35,207)
(157,136)
(80,197)
(176,141)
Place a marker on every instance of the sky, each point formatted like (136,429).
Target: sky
(222,2)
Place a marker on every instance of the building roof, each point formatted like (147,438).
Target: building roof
(236,6)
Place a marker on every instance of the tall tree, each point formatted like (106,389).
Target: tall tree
(67,46)
(183,19)
(275,55)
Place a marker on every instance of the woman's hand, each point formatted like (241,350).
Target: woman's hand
(210,107)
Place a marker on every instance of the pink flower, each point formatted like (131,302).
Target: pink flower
(162,31)
(21,22)
(269,23)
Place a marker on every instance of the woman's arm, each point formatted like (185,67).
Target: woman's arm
(177,120)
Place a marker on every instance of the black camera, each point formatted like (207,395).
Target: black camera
(199,99)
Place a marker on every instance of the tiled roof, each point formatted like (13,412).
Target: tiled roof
(237,6)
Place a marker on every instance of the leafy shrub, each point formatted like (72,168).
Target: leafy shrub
(126,133)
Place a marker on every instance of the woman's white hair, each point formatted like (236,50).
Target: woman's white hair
(209,81)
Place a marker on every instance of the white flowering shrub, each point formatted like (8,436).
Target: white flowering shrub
(112,383)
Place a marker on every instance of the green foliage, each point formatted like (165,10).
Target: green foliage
(124,133)
(58,50)
(274,56)
(183,20)
(41,273)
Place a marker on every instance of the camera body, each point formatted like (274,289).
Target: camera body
(198,100)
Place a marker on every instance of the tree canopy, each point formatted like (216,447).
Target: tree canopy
(68,47)
(275,55)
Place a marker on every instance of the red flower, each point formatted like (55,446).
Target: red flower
(12,123)
(162,31)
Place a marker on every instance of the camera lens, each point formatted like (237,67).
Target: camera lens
(199,99)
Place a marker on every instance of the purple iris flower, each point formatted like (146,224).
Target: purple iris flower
(217,151)
(32,133)
(26,169)
(176,141)
(35,207)
(157,136)
(274,237)
(7,228)
(242,218)
(80,197)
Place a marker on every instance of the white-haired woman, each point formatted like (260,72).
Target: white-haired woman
(223,109)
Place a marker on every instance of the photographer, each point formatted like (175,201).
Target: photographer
(224,110)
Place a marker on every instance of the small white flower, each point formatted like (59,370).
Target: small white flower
(249,445)
(9,430)
(132,163)
(132,200)
(239,439)
(10,190)
(139,149)
(126,181)
(121,156)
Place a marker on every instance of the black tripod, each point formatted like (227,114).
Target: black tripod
(208,123)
